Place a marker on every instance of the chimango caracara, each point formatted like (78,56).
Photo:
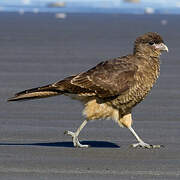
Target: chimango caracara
(112,88)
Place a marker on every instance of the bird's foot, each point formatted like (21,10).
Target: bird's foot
(76,142)
(145,145)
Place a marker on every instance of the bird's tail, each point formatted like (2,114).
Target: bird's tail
(35,93)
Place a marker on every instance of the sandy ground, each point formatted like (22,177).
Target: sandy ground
(38,49)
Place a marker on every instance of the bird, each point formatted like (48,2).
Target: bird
(112,88)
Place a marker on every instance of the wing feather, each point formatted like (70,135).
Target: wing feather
(107,79)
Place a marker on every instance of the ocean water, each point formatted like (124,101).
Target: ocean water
(125,8)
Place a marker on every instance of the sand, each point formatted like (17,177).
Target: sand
(38,49)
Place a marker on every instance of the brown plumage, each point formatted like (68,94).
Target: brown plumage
(112,88)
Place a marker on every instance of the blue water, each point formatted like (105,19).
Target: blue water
(85,8)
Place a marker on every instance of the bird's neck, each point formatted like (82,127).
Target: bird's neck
(147,54)
(152,60)
(144,52)
(150,66)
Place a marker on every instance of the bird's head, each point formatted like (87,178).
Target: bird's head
(150,44)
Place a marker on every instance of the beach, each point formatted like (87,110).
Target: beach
(39,49)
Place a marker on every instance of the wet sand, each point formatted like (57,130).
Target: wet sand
(38,49)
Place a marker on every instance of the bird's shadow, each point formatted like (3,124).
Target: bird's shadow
(68,144)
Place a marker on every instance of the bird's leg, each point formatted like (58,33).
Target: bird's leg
(126,121)
(141,143)
(74,135)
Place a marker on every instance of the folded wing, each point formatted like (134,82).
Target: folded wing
(106,80)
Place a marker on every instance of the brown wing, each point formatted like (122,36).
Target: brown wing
(65,86)
(107,79)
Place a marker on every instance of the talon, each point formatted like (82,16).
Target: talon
(145,145)
(75,140)
(157,146)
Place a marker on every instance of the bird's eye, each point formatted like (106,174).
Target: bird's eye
(151,43)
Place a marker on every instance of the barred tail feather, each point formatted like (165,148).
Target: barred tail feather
(35,93)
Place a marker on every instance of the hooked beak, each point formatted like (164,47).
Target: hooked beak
(161,47)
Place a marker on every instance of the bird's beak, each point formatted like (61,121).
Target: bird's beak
(161,47)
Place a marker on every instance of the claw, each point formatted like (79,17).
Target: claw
(145,145)
(141,143)
(76,142)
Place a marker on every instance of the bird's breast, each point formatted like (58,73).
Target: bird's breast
(144,81)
